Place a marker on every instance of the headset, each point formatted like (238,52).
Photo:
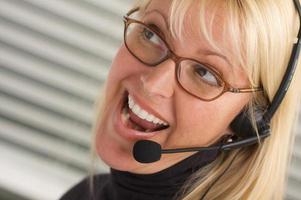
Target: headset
(242,125)
(245,134)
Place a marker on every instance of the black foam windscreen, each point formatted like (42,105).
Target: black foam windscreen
(147,151)
(242,125)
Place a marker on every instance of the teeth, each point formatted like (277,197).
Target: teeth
(150,118)
(144,114)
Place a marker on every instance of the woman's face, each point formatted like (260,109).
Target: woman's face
(192,122)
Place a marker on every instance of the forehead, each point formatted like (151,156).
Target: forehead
(199,25)
(187,16)
(188,25)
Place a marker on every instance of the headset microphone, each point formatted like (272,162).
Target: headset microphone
(146,151)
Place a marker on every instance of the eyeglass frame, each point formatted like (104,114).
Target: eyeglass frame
(177,59)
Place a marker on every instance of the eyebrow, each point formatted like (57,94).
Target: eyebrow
(160,13)
(213,53)
(200,51)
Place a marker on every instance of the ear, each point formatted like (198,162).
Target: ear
(228,137)
(229,131)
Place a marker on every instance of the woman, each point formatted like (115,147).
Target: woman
(199,73)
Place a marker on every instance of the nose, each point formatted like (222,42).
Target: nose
(160,80)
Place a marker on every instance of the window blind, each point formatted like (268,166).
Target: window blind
(54,57)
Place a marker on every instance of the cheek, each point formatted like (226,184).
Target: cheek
(202,123)
(118,69)
(123,65)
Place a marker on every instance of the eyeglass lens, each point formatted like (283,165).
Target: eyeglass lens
(194,77)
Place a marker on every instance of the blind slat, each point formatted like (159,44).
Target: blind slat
(54,56)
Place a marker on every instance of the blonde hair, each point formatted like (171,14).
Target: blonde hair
(264,32)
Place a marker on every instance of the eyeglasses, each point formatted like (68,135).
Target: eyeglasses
(199,80)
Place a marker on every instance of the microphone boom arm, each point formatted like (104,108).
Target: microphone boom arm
(225,147)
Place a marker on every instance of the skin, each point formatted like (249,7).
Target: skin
(192,122)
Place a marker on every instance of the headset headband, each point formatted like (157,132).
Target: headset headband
(288,76)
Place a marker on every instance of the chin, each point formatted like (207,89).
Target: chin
(118,155)
(112,150)
(114,154)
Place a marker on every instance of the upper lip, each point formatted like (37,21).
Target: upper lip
(147,108)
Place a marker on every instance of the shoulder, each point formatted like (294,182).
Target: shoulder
(81,190)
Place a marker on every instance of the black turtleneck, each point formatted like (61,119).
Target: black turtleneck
(121,185)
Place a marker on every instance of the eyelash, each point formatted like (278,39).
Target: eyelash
(156,30)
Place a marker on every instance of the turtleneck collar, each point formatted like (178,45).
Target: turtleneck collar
(162,185)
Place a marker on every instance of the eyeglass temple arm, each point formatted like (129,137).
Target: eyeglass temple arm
(131,11)
(245,90)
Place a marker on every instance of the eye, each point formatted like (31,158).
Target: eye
(206,75)
(151,36)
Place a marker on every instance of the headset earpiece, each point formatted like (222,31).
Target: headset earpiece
(242,125)
(243,128)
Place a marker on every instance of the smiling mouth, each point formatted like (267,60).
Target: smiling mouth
(135,122)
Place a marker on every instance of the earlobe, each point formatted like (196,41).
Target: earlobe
(228,137)
(229,133)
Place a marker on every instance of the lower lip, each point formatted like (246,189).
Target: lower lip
(126,132)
